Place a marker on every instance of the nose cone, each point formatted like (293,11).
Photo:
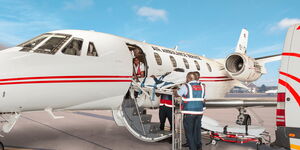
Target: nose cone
(2,47)
(12,61)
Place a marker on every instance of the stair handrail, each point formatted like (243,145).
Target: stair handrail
(138,112)
(145,92)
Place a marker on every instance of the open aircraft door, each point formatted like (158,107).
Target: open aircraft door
(288,106)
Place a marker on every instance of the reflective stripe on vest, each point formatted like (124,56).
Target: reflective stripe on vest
(193,102)
(166,100)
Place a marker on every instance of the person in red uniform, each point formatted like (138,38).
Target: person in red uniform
(165,110)
(138,69)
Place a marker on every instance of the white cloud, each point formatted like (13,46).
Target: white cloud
(285,23)
(152,14)
(78,4)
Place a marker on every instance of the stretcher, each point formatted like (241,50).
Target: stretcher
(235,133)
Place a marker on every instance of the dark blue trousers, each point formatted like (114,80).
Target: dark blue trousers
(164,113)
(192,128)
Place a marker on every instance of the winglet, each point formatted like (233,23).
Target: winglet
(241,46)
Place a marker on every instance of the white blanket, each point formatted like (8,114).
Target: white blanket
(213,125)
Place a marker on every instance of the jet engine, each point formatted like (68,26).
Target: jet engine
(242,67)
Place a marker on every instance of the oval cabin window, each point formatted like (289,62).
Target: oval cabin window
(186,63)
(208,67)
(158,59)
(174,63)
(197,65)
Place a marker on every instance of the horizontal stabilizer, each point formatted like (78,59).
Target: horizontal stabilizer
(266,59)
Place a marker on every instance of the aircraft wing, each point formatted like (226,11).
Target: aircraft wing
(241,102)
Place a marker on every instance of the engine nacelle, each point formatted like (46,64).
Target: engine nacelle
(242,67)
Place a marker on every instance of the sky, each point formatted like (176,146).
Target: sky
(209,28)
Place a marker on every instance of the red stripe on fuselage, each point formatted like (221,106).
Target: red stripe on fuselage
(62,81)
(291,89)
(82,81)
(291,54)
(61,77)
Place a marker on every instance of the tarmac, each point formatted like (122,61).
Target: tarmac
(96,130)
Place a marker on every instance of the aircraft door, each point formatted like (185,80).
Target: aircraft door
(139,62)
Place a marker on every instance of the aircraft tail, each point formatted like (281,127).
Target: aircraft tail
(241,46)
(244,68)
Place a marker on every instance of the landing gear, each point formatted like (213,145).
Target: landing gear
(243,118)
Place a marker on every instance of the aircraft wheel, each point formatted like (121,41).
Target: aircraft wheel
(214,142)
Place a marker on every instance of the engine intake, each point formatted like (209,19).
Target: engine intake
(242,67)
(235,64)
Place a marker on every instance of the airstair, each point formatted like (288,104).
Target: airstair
(138,122)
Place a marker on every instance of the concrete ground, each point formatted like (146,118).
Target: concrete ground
(96,130)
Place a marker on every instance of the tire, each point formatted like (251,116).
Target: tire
(214,142)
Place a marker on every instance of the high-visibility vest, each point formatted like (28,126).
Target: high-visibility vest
(193,101)
(166,100)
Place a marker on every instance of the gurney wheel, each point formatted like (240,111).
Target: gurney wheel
(213,142)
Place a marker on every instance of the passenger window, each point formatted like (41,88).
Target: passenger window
(174,63)
(186,63)
(208,67)
(158,59)
(73,48)
(197,65)
(92,50)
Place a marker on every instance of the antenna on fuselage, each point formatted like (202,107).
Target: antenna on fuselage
(176,47)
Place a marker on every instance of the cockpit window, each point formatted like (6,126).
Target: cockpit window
(50,43)
(29,45)
(92,50)
(74,47)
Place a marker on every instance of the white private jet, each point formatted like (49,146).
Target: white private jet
(87,70)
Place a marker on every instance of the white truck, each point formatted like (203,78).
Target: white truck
(288,99)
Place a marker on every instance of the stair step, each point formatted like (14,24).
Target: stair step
(141,110)
(132,111)
(146,118)
(160,134)
(129,103)
(152,127)
(163,132)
